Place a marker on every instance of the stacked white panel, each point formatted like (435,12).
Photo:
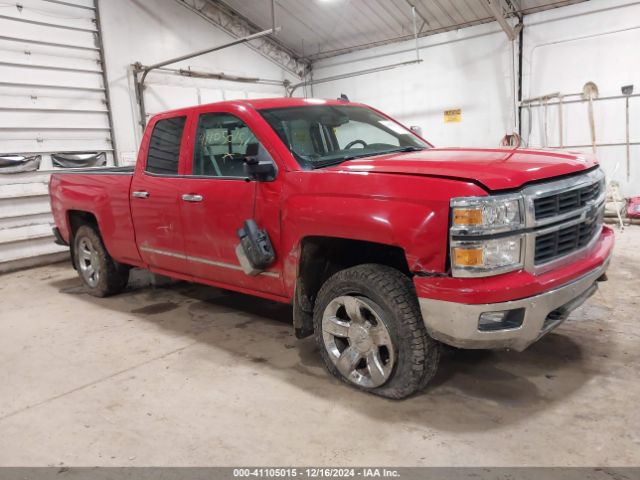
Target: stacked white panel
(52,101)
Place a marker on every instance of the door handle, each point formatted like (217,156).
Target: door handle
(140,194)
(189,197)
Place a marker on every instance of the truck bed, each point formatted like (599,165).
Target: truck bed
(128,170)
(104,193)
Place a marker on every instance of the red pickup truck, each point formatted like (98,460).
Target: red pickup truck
(386,246)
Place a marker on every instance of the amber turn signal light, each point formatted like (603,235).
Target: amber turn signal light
(468,257)
(467,216)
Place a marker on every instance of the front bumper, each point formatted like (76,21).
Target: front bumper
(456,324)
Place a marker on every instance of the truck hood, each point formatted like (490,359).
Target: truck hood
(496,169)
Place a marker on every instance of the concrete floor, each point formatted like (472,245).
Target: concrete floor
(191,375)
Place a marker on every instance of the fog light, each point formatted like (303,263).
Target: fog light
(501,320)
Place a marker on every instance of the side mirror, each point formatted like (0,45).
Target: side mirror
(258,164)
(416,129)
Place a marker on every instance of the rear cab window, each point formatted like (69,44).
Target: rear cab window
(163,156)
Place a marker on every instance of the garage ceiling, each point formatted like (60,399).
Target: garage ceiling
(316,29)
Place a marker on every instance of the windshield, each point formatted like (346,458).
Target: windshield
(324,135)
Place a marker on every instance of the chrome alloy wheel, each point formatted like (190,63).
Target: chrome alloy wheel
(88,262)
(358,341)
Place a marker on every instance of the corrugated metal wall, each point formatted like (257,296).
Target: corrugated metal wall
(52,102)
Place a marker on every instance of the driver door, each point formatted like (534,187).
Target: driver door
(218,199)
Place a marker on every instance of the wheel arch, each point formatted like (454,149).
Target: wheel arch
(320,257)
(75,220)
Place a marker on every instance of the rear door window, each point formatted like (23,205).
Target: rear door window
(164,147)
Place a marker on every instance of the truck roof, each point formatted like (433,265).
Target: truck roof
(284,102)
(280,102)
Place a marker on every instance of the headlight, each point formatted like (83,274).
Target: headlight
(475,221)
(488,257)
(482,215)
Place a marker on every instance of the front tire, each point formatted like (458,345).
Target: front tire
(101,274)
(369,328)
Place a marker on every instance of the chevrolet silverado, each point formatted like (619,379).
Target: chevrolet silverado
(386,246)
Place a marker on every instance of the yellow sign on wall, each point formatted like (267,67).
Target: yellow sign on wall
(453,116)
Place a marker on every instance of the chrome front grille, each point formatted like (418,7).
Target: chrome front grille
(564,202)
(564,241)
(559,222)
(564,217)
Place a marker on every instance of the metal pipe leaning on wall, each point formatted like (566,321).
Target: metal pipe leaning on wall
(627,91)
(590,93)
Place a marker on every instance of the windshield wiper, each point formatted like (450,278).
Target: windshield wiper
(370,154)
(338,161)
(332,163)
(406,149)
(385,152)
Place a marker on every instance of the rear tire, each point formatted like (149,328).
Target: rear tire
(368,326)
(101,274)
